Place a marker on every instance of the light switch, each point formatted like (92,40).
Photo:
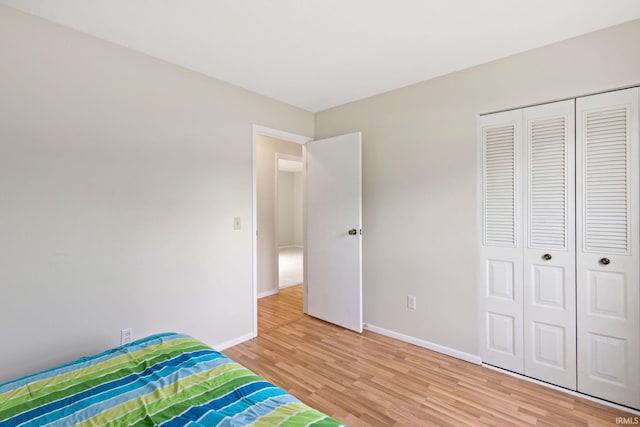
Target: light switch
(236,223)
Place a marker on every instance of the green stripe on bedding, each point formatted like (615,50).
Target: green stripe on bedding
(305,417)
(281,415)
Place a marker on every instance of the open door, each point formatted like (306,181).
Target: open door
(333,261)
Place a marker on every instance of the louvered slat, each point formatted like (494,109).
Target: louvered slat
(499,186)
(606,204)
(547,185)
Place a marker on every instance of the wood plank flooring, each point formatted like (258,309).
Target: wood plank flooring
(280,309)
(371,380)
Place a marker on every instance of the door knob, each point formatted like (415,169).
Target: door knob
(353,232)
(605,261)
(546,257)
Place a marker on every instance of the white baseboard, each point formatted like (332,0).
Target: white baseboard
(267,293)
(467,357)
(291,246)
(239,340)
(564,390)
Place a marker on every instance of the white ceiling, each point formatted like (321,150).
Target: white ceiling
(316,54)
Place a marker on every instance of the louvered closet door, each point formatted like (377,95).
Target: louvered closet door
(607,246)
(549,249)
(501,242)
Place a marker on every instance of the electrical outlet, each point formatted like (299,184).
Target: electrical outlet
(126,336)
(411,302)
(236,223)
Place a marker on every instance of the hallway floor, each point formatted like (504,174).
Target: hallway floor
(290,264)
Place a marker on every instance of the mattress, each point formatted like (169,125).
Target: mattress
(163,380)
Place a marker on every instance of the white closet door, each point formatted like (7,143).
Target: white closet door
(607,246)
(501,241)
(549,249)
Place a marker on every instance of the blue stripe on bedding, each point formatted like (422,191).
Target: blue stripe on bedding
(218,405)
(247,413)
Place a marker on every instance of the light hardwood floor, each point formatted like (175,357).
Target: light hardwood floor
(371,380)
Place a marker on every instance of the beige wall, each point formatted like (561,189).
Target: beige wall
(285,209)
(266,149)
(420,175)
(289,208)
(120,176)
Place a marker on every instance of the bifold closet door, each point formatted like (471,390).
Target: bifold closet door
(608,311)
(500,281)
(549,243)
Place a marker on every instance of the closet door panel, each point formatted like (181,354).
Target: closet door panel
(501,241)
(549,247)
(608,261)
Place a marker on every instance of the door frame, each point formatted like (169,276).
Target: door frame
(285,136)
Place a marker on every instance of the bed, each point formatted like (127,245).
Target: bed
(167,379)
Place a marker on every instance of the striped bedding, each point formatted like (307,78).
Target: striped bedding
(165,380)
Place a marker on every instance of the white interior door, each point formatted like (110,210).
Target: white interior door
(333,261)
(608,246)
(501,306)
(549,250)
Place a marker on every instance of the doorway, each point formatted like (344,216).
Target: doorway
(332,223)
(269,147)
